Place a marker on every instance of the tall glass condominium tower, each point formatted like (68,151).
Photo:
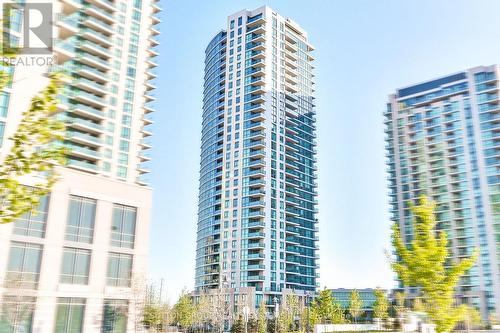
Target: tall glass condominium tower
(443,140)
(79,262)
(257,225)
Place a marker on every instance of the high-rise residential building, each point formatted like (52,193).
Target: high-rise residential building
(443,140)
(257,225)
(78,264)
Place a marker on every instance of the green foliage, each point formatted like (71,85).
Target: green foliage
(184,311)
(289,311)
(35,152)
(418,306)
(381,305)
(423,264)
(253,324)
(355,305)
(153,315)
(325,309)
(262,318)
(238,326)
(471,317)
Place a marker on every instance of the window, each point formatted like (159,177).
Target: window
(75,266)
(114,316)
(119,269)
(69,315)
(121,172)
(81,218)
(4,104)
(23,268)
(123,226)
(33,223)
(2,130)
(16,315)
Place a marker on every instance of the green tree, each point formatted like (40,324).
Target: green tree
(36,151)
(355,305)
(154,315)
(184,311)
(253,324)
(289,312)
(381,305)
(262,318)
(423,264)
(325,309)
(202,310)
(471,317)
(418,305)
(238,326)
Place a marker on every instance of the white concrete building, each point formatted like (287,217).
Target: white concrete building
(78,265)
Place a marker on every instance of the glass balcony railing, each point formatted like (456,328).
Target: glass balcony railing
(100,11)
(65,44)
(92,45)
(96,34)
(91,84)
(99,23)
(82,164)
(83,150)
(83,136)
(86,108)
(88,56)
(83,122)
(92,70)
(80,93)
(71,20)
(254,19)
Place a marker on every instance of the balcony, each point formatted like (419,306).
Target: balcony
(82,165)
(254,144)
(93,60)
(99,13)
(83,152)
(65,49)
(96,37)
(105,4)
(254,204)
(68,24)
(98,25)
(145,144)
(255,278)
(87,111)
(71,6)
(259,245)
(257,29)
(255,256)
(256,20)
(257,267)
(94,48)
(256,235)
(88,98)
(144,156)
(84,125)
(92,73)
(257,153)
(90,85)
(84,138)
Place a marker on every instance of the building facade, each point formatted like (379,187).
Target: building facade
(257,225)
(443,140)
(78,263)
(367,295)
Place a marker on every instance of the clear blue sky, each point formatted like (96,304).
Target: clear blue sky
(364,50)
